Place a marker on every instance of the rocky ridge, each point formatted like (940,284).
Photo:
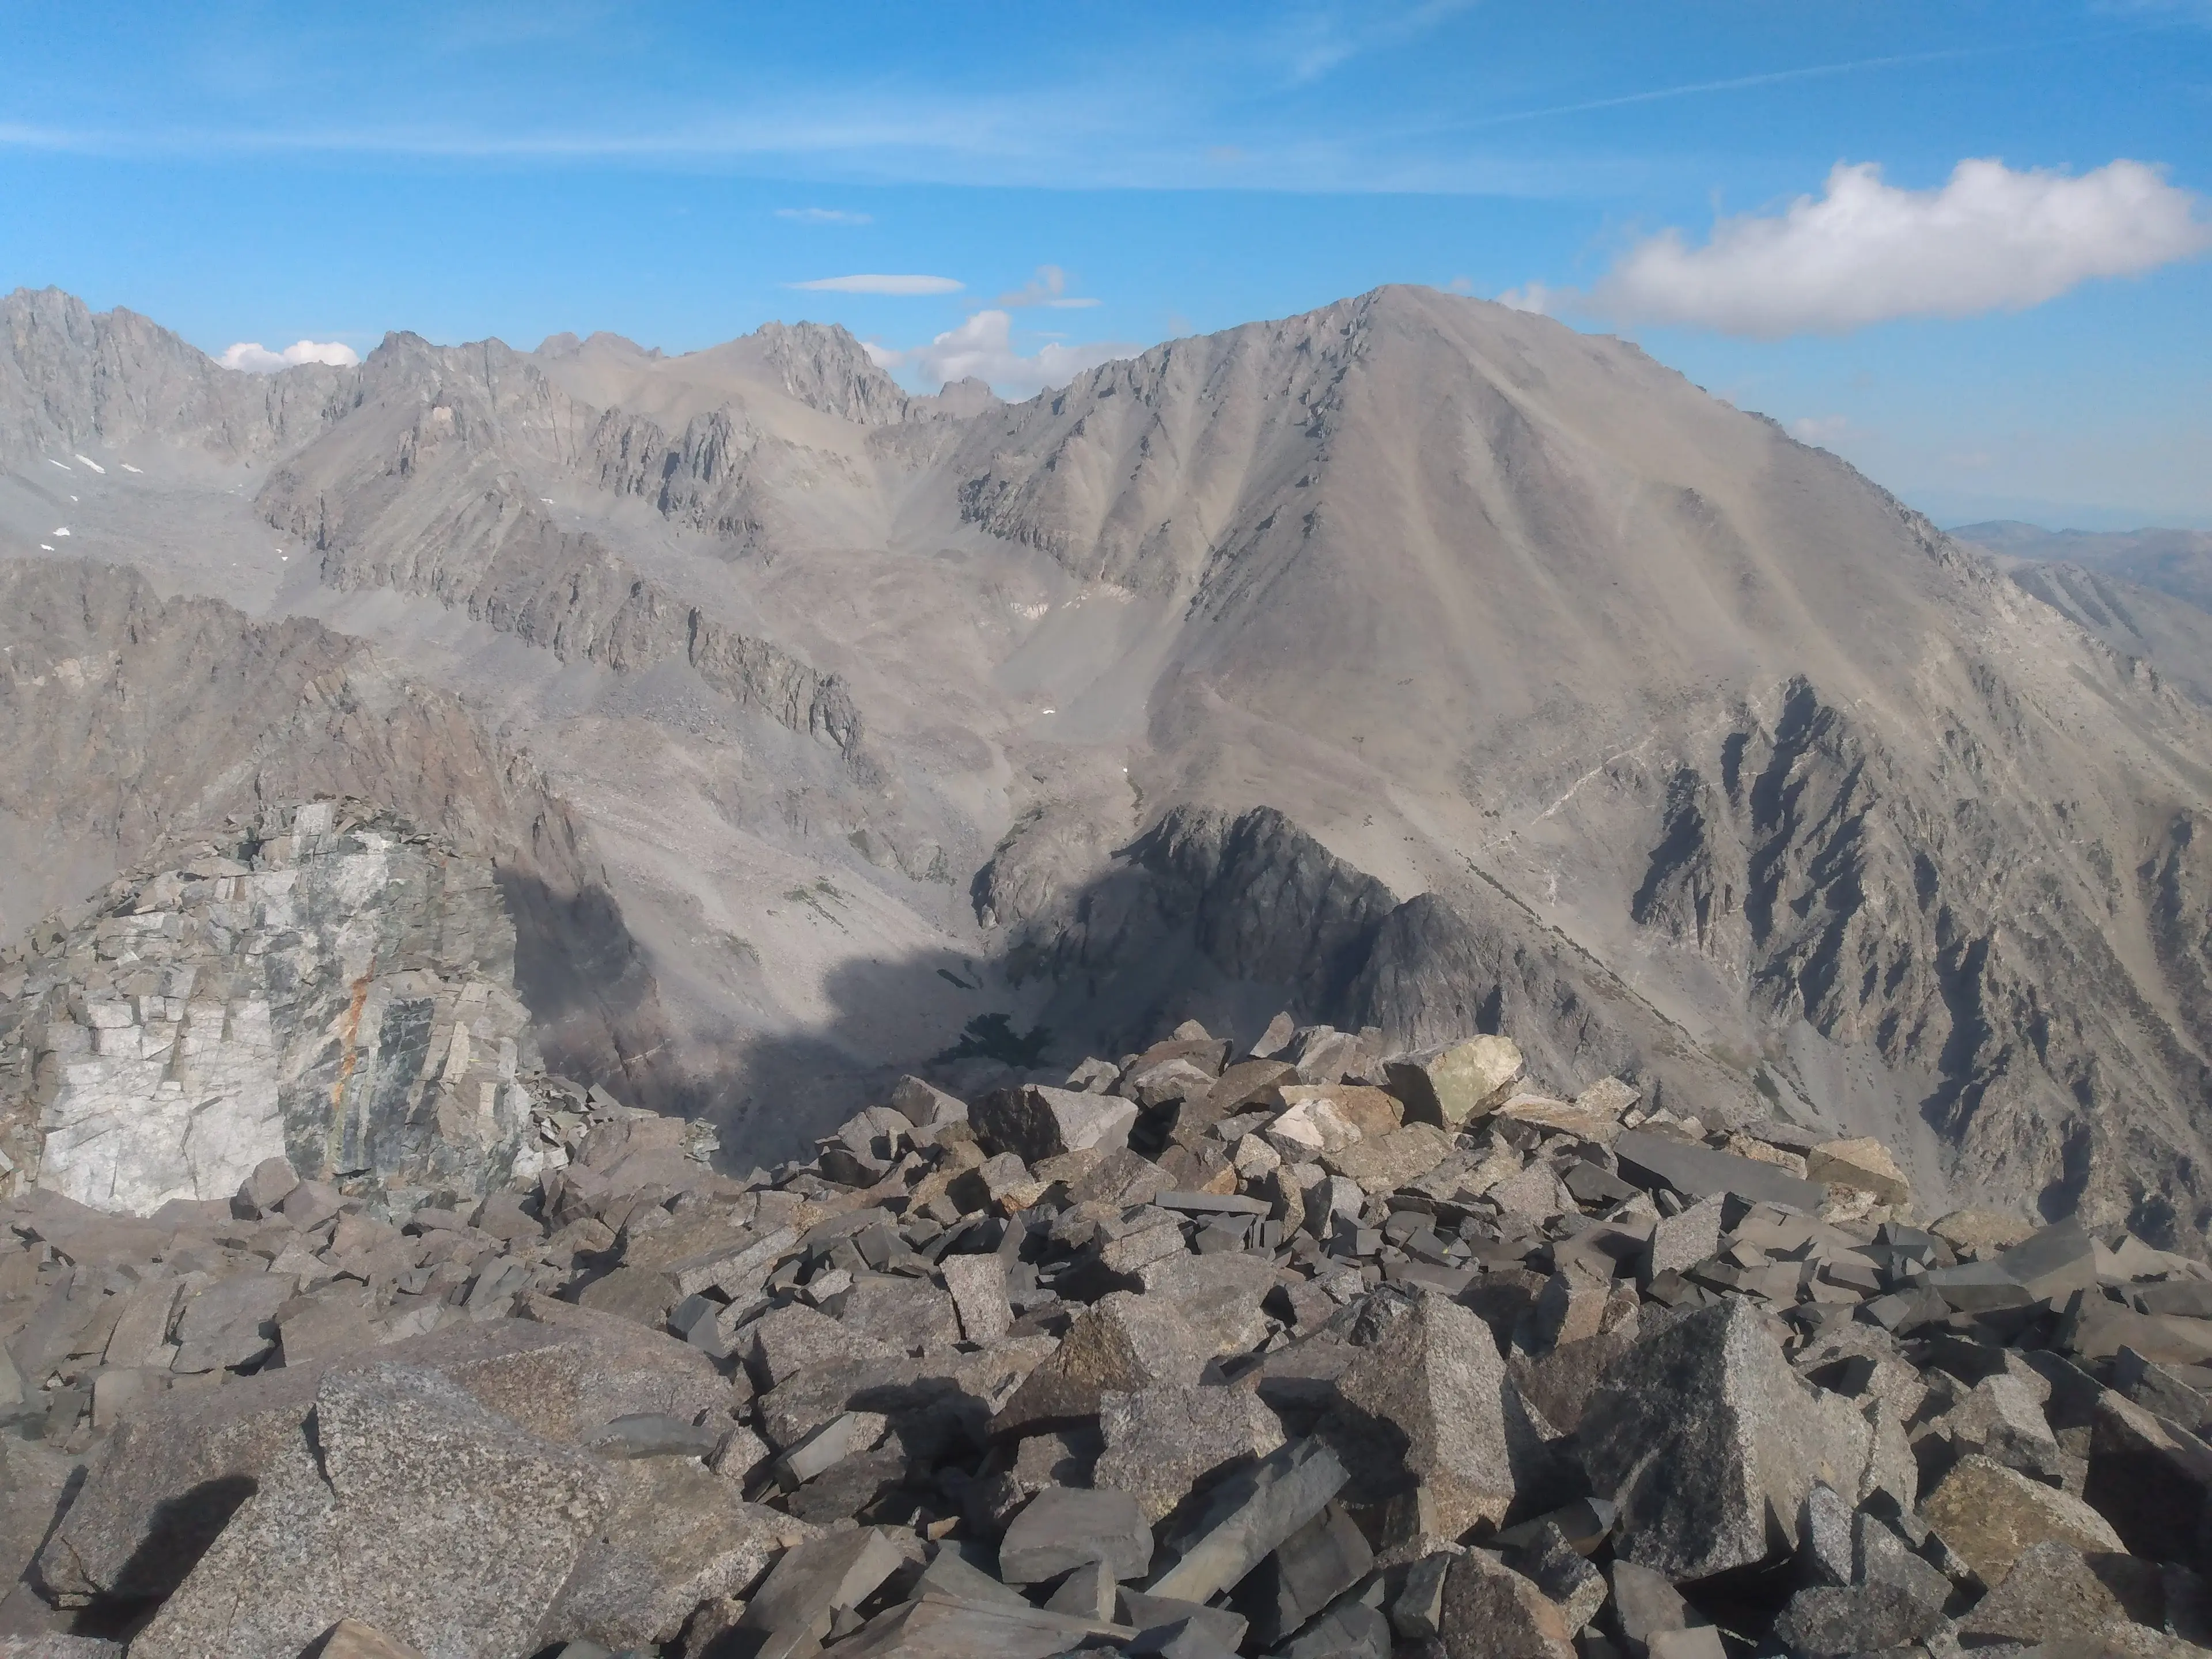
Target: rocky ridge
(1674,744)
(1309,1349)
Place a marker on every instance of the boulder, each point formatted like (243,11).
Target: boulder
(1492,1612)
(1034,1122)
(1702,1431)
(677,1535)
(1449,1086)
(1991,1515)
(1430,1404)
(443,1524)
(1162,1442)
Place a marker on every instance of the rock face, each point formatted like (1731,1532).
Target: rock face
(917,1394)
(328,986)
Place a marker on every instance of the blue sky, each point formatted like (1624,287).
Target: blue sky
(2032,339)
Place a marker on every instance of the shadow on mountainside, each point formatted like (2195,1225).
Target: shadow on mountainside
(1229,921)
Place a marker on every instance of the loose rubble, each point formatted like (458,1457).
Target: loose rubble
(1320,1352)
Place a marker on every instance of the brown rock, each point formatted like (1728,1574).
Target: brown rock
(1990,1515)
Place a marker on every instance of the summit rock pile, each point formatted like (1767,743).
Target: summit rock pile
(1308,1351)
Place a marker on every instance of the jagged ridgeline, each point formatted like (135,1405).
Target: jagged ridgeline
(1412,664)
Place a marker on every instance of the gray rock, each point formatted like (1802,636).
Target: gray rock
(1143,1613)
(1696,1172)
(1034,1122)
(1249,1515)
(1431,1402)
(812,1581)
(1823,1538)
(1218,1296)
(167,1481)
(2054,1590)
(903,1315)
(1827,1621)
(1161,1442)
(1350,1630)
(1681,1241)
(1490,1611)
(1090,1592)
(267,1187)
(654,1434)
(977,1285)
(787,1340)
(1064,1527)
(1418,1610)
(1645,1606)
(1304,1574)
(676,1536)
(442,1523)
(1703,1433)
(1549,1561)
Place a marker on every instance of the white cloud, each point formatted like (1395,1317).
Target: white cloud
(873,284)
(983,347)
(825,217)
(1531,296)
(1820,429)
(1989,240)
(254,358)
(1047,287)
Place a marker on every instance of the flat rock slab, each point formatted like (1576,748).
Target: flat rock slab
(441,1523)
(1700,1172)
(1063,1528)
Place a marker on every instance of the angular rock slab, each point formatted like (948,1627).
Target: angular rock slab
(170,1477)
(1431,1402)
(1490,1611)
(1703,1431)
(677,1536)
(1036,1123)
(1991,1515)
(1447,1086)
(1064,1527)
(415,1510)
(1161,1442)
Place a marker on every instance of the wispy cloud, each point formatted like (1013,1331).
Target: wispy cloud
(982,348)
(1991,238)
(254,358)
(1047,287)
(825,217)
(1738,83)
(880,285)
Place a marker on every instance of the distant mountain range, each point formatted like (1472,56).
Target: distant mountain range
(1414,663)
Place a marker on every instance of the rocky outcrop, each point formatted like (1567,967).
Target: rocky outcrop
(327,987)
(823,367)
(134,719)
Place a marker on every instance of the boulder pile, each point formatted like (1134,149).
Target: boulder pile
(1305,1350)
